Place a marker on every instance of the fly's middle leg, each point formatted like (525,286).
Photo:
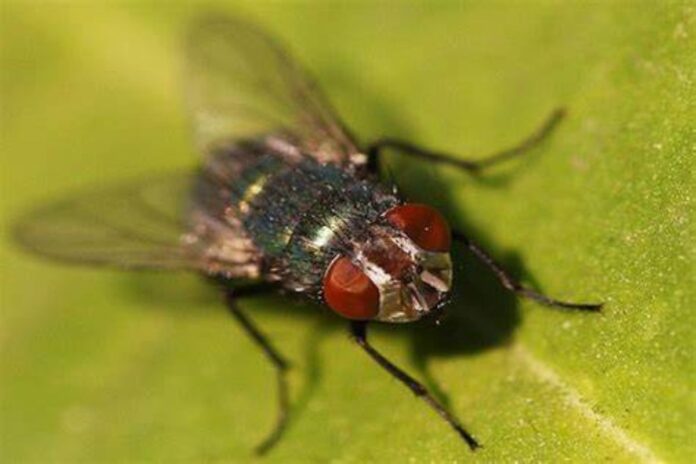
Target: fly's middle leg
(511,283)
(279,363)
(472,166)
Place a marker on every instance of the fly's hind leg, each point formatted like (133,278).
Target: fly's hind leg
(514,285)
(473,166)
(281,367)
(359,331)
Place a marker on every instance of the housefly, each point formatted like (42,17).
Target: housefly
(284,196)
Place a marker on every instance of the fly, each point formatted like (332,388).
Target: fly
(284,196)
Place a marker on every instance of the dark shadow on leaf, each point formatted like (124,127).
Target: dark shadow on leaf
(481,313)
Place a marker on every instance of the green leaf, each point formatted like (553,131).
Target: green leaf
(101,366)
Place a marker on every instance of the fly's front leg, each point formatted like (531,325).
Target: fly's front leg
(359,331)
(278,362)
(512,284)
(473,166)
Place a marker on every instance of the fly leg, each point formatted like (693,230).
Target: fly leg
(359,331)
(281,366)
(512,284)
(473,166)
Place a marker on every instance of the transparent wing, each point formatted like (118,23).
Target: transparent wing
(152,224)
(242,84)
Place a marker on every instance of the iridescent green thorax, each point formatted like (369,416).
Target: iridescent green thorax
(302,215)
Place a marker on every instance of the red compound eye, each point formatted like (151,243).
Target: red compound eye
(423,224)
(349,291)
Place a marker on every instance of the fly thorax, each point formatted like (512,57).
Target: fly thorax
(411,281)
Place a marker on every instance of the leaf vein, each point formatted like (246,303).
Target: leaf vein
(574,400)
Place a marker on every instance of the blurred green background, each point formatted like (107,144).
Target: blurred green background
(103,366)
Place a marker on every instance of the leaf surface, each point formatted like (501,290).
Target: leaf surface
(111,367)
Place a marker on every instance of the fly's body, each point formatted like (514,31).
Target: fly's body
(299,213)
(285,197)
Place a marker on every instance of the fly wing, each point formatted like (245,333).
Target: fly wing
(149,224)
(242,84)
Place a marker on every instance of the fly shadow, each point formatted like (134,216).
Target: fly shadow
(481,314)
